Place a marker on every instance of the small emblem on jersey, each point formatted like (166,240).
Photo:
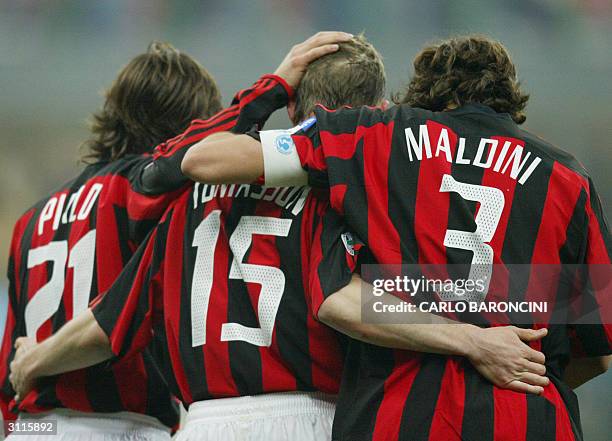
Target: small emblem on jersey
(303,125)
(349,243)
(308,123)
(284,144)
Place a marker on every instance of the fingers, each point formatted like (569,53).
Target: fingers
(531,334)
(519,386)
(535,356)
(317,52)
(321,39)
(535,368)
(533,379)
(21,341)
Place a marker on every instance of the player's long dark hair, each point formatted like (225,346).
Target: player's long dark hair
(153,99)
(462,70)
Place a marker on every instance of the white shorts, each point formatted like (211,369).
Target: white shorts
(294,416)
(81,426)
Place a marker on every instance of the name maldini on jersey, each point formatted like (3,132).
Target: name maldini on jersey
(507,157)
(288,198)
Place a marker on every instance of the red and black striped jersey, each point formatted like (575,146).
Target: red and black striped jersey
(70,247)
(409,182)
(227,287)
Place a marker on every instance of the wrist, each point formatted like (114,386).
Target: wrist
(280,80)
(469,336)
(32,362)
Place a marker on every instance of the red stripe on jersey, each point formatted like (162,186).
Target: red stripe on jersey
(128,384)
(432,206)
(563,192)
(564,430)
(561,198)
(376,154)
(16,248)
(14,278)
(173,256)
(337,193)
(448,416)
(216,353)
(397,387)
(509,415)
(71,390)
(340,146)
(274,375)
(310,157)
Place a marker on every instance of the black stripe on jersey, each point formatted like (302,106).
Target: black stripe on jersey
(102,389)
(158,352)
(478,413)
(158,390)
(523,224)
(346,171)
(192,358)
(292,335)
(244,358)
(94,291)
(366,368)
(424,393)
(541,419)
(123,236)
(25,246)
(399,204)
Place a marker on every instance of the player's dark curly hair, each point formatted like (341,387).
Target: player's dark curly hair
(469,69)
(153,99)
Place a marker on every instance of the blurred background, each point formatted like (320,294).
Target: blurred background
(57,56)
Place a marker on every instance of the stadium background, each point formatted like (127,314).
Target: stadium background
(56,56)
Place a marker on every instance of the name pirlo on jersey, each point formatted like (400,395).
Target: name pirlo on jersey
(289,198)
(506,158)
(57,211)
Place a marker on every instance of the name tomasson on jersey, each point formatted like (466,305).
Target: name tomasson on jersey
(490,154)
(288,198)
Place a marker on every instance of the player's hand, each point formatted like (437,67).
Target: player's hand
(501,356)
(20,377)
(301,55)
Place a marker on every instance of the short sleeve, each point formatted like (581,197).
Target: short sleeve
(333,258)
(128,310)
(594,337)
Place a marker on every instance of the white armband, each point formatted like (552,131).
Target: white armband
(282,165)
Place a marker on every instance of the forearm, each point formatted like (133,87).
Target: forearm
(581,370)
(422,332)
(224,158)
(78,344)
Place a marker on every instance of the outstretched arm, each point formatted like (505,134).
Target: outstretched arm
(499,354)
(229,158)
(78,344)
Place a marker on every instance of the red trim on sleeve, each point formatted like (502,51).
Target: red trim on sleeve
(290,91)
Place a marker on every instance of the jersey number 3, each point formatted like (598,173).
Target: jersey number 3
(492,202)
(271,279)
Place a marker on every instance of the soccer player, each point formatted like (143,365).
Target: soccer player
(225,287)
(446,176)
(71,246)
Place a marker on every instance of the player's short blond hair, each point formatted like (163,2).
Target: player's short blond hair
(354,76)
